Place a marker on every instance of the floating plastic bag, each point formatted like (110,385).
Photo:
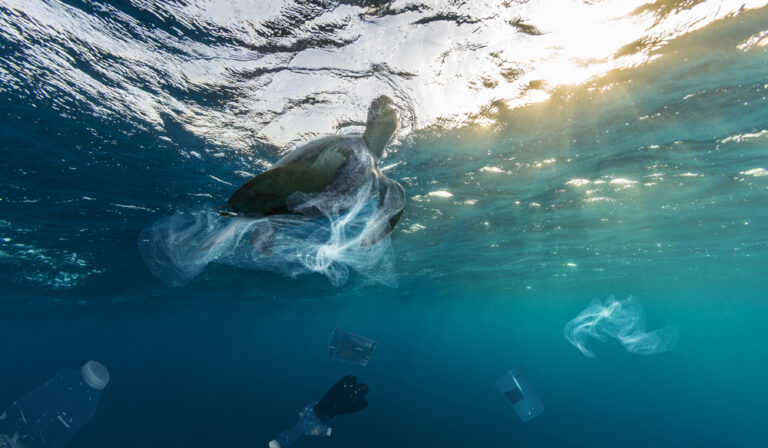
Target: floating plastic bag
(621,320)
(338,235)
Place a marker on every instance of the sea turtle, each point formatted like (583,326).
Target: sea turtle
(325,170)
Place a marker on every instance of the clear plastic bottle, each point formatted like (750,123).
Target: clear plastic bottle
(51,415)
(309,424)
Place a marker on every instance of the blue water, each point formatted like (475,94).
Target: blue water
(648,179)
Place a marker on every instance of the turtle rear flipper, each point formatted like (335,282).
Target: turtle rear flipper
(389,210)
(263,239)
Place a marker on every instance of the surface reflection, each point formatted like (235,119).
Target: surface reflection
(281,73)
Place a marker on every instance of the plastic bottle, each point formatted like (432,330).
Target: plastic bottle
(51,415)
(308,424)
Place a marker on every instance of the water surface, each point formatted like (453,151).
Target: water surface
(552,153)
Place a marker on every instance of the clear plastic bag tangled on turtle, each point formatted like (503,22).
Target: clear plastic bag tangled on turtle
(331,232)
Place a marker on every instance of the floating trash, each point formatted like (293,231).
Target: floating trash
(621,320)
(51,415)
(518,391)
(350,347)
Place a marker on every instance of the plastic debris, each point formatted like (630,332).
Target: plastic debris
(350,347)
(518,391)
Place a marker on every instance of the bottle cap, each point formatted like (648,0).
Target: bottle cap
(95,375)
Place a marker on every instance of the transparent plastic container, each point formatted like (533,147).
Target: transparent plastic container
(51,415)
(517,390)
(350,347)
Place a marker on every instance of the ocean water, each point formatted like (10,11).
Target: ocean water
(552,152)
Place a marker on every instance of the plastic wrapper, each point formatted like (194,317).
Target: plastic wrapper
(517,390)
(350,347)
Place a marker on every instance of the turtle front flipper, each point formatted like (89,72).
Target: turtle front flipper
(261,196)
(389,210)
(267,193)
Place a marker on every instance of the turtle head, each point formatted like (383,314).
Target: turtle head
(381,125)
